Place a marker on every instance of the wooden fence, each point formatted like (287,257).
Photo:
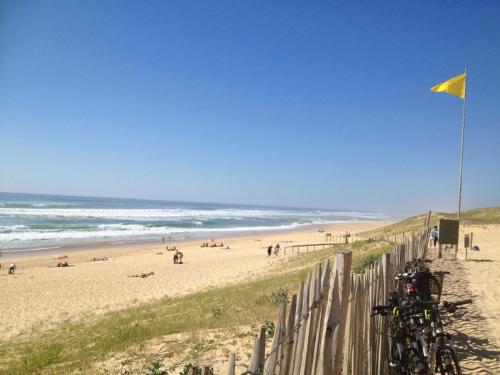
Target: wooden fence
(326,328)
(339,240)
(307,247)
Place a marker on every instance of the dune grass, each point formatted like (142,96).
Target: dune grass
(72,346)
(479,216)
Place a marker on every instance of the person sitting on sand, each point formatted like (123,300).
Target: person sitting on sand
(65,264)
(12,268)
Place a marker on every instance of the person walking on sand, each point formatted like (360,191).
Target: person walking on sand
(435,235)
(179,257)
(176,257)
(12,269)
(269,250)
(277,249)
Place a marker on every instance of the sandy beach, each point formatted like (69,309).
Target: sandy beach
(476,329)
(483,274)
(40,295)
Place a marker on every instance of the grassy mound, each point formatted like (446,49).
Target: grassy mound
(479,216)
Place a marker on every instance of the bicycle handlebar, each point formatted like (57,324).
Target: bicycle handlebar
(452,305)
(387,309)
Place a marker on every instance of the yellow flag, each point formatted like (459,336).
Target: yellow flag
(454,86)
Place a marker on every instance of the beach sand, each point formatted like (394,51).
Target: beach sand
(482,270)
(40,295)
(475,328)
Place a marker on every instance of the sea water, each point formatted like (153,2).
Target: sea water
(41,221)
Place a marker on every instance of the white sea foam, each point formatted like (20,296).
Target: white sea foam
(13,228)
(129,231)
(168,214)
(46,223)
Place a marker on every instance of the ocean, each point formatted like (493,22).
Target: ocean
(32,221)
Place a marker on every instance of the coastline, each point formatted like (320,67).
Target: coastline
(40,295)
(16,254)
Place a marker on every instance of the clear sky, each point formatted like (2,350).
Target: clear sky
(262,102)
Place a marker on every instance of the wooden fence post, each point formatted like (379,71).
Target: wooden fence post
(324,289)
(279,334)
(310,334)
(383,349)
(257,359)
(347,363)
(298,317)
(286,360)
(299,346)
(232,364)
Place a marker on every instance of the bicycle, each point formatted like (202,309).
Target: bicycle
(406,354)
(439,344)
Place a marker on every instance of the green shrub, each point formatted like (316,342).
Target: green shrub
(156,368)
(186,370)
(216,311)
(269,325)
(365,263)
(278,297)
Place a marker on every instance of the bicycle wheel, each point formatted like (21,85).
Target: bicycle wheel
(418,365)
(447,362)
(394,363)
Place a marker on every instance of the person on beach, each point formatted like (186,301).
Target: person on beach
(176,257)
(269,250)
(277,249)
(435,235)
(179,257)
(347,235)
(12,269)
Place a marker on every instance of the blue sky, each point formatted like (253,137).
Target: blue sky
(323,104)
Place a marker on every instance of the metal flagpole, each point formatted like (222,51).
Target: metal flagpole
(462,151)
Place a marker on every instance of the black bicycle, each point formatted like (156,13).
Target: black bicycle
(438,344)
(406,352)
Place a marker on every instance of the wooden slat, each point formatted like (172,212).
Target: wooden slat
(297,362)
(306,362)
(257,359)
(286,360)
(298,317)
(232,364)
(325,283)
(279,334)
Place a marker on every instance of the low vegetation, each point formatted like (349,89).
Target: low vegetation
(74,345)
(479,216)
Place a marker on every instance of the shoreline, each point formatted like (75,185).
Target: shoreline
(41,295)
(17,254)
